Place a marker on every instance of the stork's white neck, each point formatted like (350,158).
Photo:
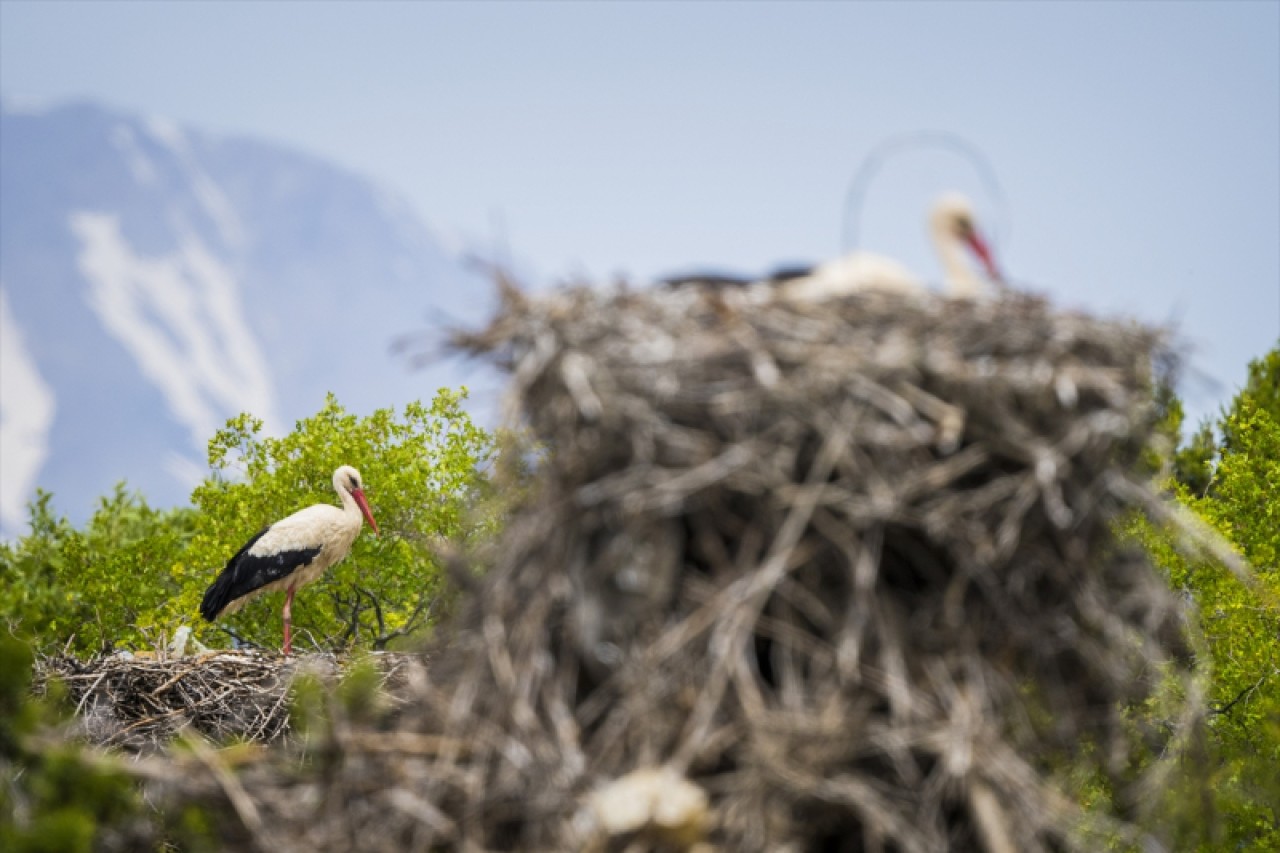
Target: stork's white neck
(350,509)
(956,270)
(349,505)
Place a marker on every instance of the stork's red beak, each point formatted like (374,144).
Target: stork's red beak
(983,251)
(358,494)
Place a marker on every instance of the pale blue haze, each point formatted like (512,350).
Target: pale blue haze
(1138,144)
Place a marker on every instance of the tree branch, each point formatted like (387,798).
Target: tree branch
(240,641)
(1224,709)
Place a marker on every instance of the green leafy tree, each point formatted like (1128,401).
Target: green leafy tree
(1240,624)
(134,574)
(1193,463)
(1262,389)
(1190,464)
(89,589)
(422,470)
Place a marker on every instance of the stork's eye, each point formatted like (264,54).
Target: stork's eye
(353,483)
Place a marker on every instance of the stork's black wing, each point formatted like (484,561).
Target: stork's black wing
(246,573)
(788,272)
(708,279)
(715,279)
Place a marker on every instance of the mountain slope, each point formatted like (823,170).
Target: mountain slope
(156,280)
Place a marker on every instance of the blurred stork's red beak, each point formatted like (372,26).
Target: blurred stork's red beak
(358,494)
(983,251)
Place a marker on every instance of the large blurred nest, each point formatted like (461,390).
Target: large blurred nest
(797,576)
(139,702)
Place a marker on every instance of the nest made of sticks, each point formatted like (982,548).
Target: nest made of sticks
(796,576)
(140,702)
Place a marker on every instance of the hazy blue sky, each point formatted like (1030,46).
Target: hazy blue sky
(1137,144)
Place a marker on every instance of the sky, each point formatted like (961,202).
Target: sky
(1133,149)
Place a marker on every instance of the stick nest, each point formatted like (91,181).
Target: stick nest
(796,576)
(140,702)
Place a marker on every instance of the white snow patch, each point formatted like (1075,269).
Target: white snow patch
(181,318)
(207,193)
(166,132)
(124,141)
(27,405)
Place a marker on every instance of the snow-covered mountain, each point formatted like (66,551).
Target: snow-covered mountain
(155,280)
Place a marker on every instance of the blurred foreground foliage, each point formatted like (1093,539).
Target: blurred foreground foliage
(54,797)
(133,574)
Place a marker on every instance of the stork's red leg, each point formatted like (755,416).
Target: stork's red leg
(288,622)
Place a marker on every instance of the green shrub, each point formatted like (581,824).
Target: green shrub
(90,589)
(422,471)
(134,574)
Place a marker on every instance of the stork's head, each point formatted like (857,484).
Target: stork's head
(346,480)
(952,220)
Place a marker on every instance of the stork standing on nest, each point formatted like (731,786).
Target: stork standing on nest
(292,553)
(956,239)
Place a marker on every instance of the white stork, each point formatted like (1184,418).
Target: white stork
(951,225)
(292,553)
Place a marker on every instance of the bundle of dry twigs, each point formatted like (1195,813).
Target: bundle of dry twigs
(816,576)
(849,566)
(139,702)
